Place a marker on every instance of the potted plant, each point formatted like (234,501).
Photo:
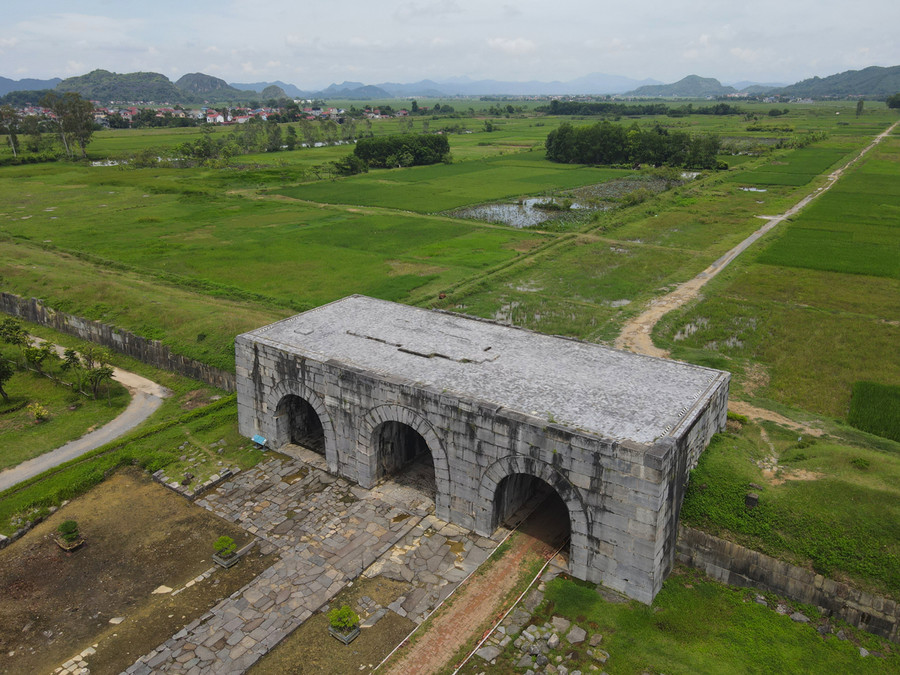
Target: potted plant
(68,538)
(343,623)
(226,552)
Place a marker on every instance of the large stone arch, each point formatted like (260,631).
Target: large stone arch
(579,516)
(367,467)
(278,435)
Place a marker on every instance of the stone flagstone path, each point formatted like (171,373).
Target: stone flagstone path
(328,532)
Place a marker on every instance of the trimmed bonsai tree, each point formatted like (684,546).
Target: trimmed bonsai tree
(68,531)
(225,546)
(69,538)
(343,619)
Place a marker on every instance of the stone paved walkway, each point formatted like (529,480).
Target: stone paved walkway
(328,532)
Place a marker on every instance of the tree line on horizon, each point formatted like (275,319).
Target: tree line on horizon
(606,143)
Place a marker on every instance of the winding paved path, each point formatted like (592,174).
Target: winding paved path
(146,397)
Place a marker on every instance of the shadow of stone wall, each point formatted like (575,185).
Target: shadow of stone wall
(151,352)
(736,565)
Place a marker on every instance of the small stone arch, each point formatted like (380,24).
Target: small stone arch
(278,436)
(579,521)
(367,467)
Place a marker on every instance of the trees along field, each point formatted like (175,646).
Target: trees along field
(607,143)
(74,120)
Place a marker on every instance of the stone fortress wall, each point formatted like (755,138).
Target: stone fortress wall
(623,497)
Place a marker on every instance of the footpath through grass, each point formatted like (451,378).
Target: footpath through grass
(197,423)
(212,428)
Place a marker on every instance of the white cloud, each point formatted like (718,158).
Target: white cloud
(513,47)
(746,55)
(426,10)
(75,68)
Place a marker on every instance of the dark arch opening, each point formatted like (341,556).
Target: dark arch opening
(529,501)
(301,422)
(403,453)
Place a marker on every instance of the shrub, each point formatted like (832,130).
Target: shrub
(737,417)
(343,618)
(860,463)
(68,531)
(225,546)
(39,412)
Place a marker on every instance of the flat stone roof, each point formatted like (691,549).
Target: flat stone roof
(611,393)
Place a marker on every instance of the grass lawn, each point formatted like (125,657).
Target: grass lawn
(797,167)
(442,187)
(209,431)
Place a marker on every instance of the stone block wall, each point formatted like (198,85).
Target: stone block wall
(149,351)
(736,565)
(618,493)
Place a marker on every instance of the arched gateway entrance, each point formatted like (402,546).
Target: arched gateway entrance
(300,424)
(523,500)
(403,454)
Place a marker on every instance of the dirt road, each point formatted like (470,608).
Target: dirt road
(482,595)
(636,333)
(146,397)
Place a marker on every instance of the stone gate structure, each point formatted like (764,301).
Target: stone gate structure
(501,411)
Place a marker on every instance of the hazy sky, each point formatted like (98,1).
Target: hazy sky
(313,43)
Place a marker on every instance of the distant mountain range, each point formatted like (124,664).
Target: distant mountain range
(692,86)
(195,88)
(596,83)
(874,81)
(871,81)
(28,84)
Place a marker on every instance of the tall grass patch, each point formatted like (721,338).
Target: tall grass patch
(876,408)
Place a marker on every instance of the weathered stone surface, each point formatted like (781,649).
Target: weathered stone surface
(576,635)
(488,652)
(560,624)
